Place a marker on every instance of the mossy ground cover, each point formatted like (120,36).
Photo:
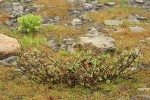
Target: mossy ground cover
(14,86)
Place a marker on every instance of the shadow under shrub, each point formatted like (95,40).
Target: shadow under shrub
(84,68)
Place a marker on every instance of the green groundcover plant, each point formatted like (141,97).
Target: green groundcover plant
(30,22)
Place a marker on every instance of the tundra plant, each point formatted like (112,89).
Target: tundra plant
(86,68)
(30,22)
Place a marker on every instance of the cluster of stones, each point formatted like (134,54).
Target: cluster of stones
(93,40)
(143,3)
(16,9)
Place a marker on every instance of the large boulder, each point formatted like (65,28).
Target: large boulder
(8,46)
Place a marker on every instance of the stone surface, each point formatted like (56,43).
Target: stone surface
(87,6)
(110,3)
(76,22)
(144,89)
(68,41)
(145,97)
(139,1)
(137,29)
(93,30)
(17,9)
(77,1)
(100,42)
(8,61)
(8,46)
(142,18)
(113,22)
(133,19)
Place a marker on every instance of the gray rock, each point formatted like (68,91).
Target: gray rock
(139,1)
(142,18)
(133,19)
(27,1)
(68,41)
(7,6)
(113,22)
(76,22)
(144,89)
(110,3)
(17,9)
(137,29)
(98,43)
(11,59)
(63,47)
(56,19)
(77,1)
(145,97)
(93,30)
(76,12)
(51,43)
(71,49)
(8,61)
(87,6)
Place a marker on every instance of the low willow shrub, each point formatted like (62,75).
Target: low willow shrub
(85,68)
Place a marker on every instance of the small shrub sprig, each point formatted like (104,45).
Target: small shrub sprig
(30,22)
(86,68)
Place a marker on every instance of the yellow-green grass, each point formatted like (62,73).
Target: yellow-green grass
(119,12)
(53,8)
(4,16)
(14,86)
(125,39)
(60,32)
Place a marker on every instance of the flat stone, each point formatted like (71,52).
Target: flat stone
(77,1)
(100,5)
(8,61)
(51,43)
(63,47)
(113,22)
(97,43)
(87,6)
(144,89)
(142,18)
(76,12)
(139,1)
(145,97)
(110,3)
(71,49)
(76,22)
(93,30)
(68,41)
(133,19)
(137,29)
